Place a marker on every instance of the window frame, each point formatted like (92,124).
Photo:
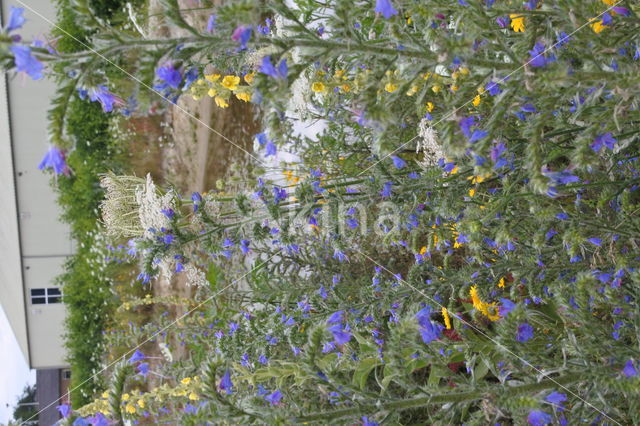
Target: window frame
(45,295)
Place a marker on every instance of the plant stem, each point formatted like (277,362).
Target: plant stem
(404,404)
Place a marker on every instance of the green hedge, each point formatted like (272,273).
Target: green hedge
(87,294)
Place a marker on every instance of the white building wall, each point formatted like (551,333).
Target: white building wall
(10,273)
(45,321)
(45,240)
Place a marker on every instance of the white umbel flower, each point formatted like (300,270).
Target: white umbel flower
(195,277)
(150,206)
(428,144)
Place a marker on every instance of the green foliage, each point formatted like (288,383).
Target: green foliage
(23,412)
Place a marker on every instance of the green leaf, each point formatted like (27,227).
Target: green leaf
(363,370)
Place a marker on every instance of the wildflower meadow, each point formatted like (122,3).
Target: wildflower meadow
(416,212)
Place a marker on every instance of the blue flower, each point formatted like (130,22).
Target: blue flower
(336,317)
(279,194)
(386,8)
(169,213)
(525,333)
(502,21)
(595,241)
(506,307)
(26,62)
(538,418)
(197,199)
(54,159)
(143,369)
(537,56)
(493,88)
(398,162)
(242,35)
(171,76)
(341,335)
(556,398)
(367,422)
(137,356)
(386,190)
(629,369)
(338,254)
(64,409)
(211,23)
(269,69)
(270,149)
(225,383)
(561,178)
(244,246)
(190,409)
(563,39)
(607,140)
(274,398)
(102,95)
(98,420)
(16,20)
(466,124)
(429,330)
(477,135)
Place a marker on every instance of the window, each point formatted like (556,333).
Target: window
(66,374)
(45,296)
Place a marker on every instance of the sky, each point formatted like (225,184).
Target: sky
(14,371)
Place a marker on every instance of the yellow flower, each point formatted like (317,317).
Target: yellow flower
(243,96)
(430,106)
(472,192)
(339,73)
(447,319)
(288,174)
(423,250)
(412,91)
(186,380)
(345,88)
(489,310)
(141,403)
(476,101)
(597,26)
(475,298)
(248,78)
(517,22)
(436,88)
(212,77)
(212,92)
(125,396)
(130,409)
(609,2)
(105,394)
(391,87)
(501,283)
(318,87)
(193,396)
(231,82)
(464,71)
(455,75)
(221,102)
(492,312)
(455,88)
